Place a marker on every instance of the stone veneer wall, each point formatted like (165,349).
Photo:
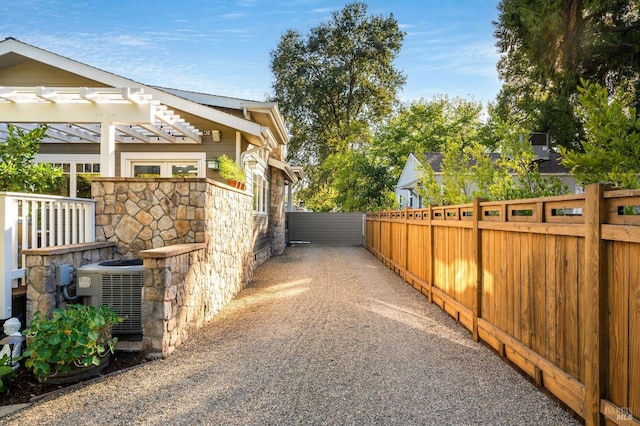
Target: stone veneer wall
(141,213)
(41,271)
(195,238)
(278,212)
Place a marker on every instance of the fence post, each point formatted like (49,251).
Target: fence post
(405,265)
(596,335)
(477,271)
(6,264)
(430,255)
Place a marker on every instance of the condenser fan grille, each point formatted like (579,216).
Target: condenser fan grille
(124,293)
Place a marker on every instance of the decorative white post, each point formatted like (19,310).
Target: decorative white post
(6,265)
(107,148)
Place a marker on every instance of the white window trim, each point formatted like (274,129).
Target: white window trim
(72,160)
(128,158)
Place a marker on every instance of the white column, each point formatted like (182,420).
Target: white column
(289,200)
(6,264)
(238,146)
(107,149)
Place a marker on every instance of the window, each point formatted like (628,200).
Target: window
(78,172)
(164,169)
(163,164)
(260,194)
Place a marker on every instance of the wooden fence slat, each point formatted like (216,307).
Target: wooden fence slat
(572,324)
(526,290)
(539,291)
(550,300)
(634,330)
(619,325)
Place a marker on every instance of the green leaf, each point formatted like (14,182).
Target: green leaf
(54,339)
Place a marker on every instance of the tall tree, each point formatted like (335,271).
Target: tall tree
(548,46)
(333,85)
(426,126)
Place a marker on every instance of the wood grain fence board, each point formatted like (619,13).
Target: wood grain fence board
(526,290)
(557,381)
(495,270)
(634,330)
(569,229)
(499,283)
(445,261)
(572,324)
(621,233)
(583,306)
(616,415)
(615,211)
(517,285)
(456,310)
(550,300)
(539,296)
(461,272)
(486,307)
(561,319)
(619,324)
(471,269)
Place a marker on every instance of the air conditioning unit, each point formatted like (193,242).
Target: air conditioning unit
(115,283)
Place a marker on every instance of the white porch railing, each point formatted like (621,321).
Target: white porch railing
(37,221)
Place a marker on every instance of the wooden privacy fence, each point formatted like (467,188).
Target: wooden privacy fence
(552,284)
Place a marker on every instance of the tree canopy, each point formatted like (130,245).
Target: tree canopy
(503,170)
(334,85)
(426,126)
(548,46)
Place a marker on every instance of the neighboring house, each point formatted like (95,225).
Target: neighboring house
(406,190)
(102,124)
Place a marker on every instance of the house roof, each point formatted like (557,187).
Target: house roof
(167,108)
(551,166)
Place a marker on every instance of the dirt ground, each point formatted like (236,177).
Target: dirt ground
(323,335)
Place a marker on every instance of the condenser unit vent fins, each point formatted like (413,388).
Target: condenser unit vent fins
(124,293)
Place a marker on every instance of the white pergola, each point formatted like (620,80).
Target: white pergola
(101,115)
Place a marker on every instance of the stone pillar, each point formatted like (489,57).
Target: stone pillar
(41,271)
(277,212)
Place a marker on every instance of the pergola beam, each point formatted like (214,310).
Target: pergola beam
(135,113)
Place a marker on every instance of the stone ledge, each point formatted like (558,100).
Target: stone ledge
(69,248)
(170,251)
(177,180)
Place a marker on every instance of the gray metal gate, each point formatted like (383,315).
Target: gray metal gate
(340,229)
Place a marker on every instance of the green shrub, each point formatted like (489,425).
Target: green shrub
(79,335)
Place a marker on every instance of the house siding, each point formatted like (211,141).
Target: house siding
(32,73)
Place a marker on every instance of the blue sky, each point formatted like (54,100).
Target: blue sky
(222,47)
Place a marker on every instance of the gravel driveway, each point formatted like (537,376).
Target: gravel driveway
(324,335)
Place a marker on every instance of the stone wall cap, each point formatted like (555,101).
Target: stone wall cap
(207,180)
(68,248)
(170,251)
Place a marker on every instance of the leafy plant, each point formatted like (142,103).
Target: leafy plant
(6,373)
(611,147)
(18,172)
(79,335)
(230,169)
